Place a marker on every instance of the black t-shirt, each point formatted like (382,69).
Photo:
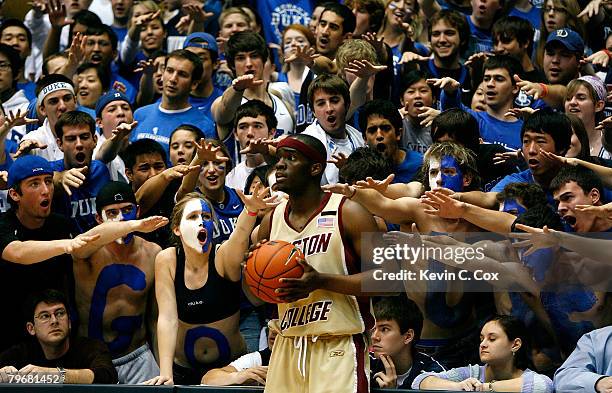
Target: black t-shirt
(83,353)
(163,207)
(17,282)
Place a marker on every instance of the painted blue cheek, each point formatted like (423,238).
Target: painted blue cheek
(110,277)
(208,225)
(455,182)
(129,217)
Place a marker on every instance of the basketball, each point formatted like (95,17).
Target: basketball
(269,263)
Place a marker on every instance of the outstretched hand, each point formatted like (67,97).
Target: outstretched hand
(363,68)
(535,238)
(378,185)
(260,201)
(340,188)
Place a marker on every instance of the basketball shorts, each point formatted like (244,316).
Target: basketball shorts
(330,364)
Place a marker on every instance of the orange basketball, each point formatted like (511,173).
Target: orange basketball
(269,263)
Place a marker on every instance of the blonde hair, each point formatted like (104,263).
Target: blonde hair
(355,50)
(234,10)
(151,7)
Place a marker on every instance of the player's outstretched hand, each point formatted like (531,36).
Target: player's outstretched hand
(299,288)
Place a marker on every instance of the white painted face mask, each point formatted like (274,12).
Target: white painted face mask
(120,217)
(196,232)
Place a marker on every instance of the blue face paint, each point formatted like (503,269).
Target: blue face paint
(513,207)
(209,226)
(539,262)
(454,182)
(129,217)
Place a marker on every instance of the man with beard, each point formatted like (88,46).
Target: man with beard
(329,97)
(80,176)
(381,127)
(113,285)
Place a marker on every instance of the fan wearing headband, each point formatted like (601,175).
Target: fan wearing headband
(338,313)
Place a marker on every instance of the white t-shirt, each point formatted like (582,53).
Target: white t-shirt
(44,135)
(249,360)
(347,145)
(237,177)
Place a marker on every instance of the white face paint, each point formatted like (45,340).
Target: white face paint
(435,173)
(192,223)
(118,218)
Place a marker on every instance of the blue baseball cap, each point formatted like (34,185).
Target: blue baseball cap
(201,40)
(110,96)
(28,166)
(568,38)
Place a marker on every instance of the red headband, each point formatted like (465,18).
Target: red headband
(303,148)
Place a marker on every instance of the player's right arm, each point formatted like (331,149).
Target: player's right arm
(167,321)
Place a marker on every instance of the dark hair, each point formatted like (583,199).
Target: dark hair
(158,53)
(141,147)
(102,29)
(458,125)
(188,127)
(48,296)
(512,65)
(74,118)
(45,66)
(49,79)
(510,27)
(557,125)
(348,18)
(254,108)
(245,41)
(581,133)
(13,22)
(331,84)
(515,328)
(402,310)
(584,177)
(384,109)
(529,194)
(414,76)
(258,172)
(13,57)
(195,60)
(85,18)
(363,162)
(102,72)
(375,8)
(538,216)
(456,20)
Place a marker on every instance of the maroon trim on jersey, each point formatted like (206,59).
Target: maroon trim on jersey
(316,212)
(353,267)
(362,380)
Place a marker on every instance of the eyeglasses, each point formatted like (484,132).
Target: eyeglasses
(45,317)
(5,66)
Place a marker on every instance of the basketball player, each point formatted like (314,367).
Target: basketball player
(321,326)
(113,287)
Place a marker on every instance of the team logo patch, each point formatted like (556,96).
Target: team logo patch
(336,353)
(325,222)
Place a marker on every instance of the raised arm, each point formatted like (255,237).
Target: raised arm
(152,190)
(231,253)
(224,108)
(444,206)
(113,145)
(167,322)
(204,152)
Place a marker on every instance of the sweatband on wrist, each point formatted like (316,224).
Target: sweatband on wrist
(303,148)
(53,87)
(544,90)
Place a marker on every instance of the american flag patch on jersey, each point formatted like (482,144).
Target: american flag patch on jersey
(325,222)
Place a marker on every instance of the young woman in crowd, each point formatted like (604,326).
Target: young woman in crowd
(504,352)
(190,311)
